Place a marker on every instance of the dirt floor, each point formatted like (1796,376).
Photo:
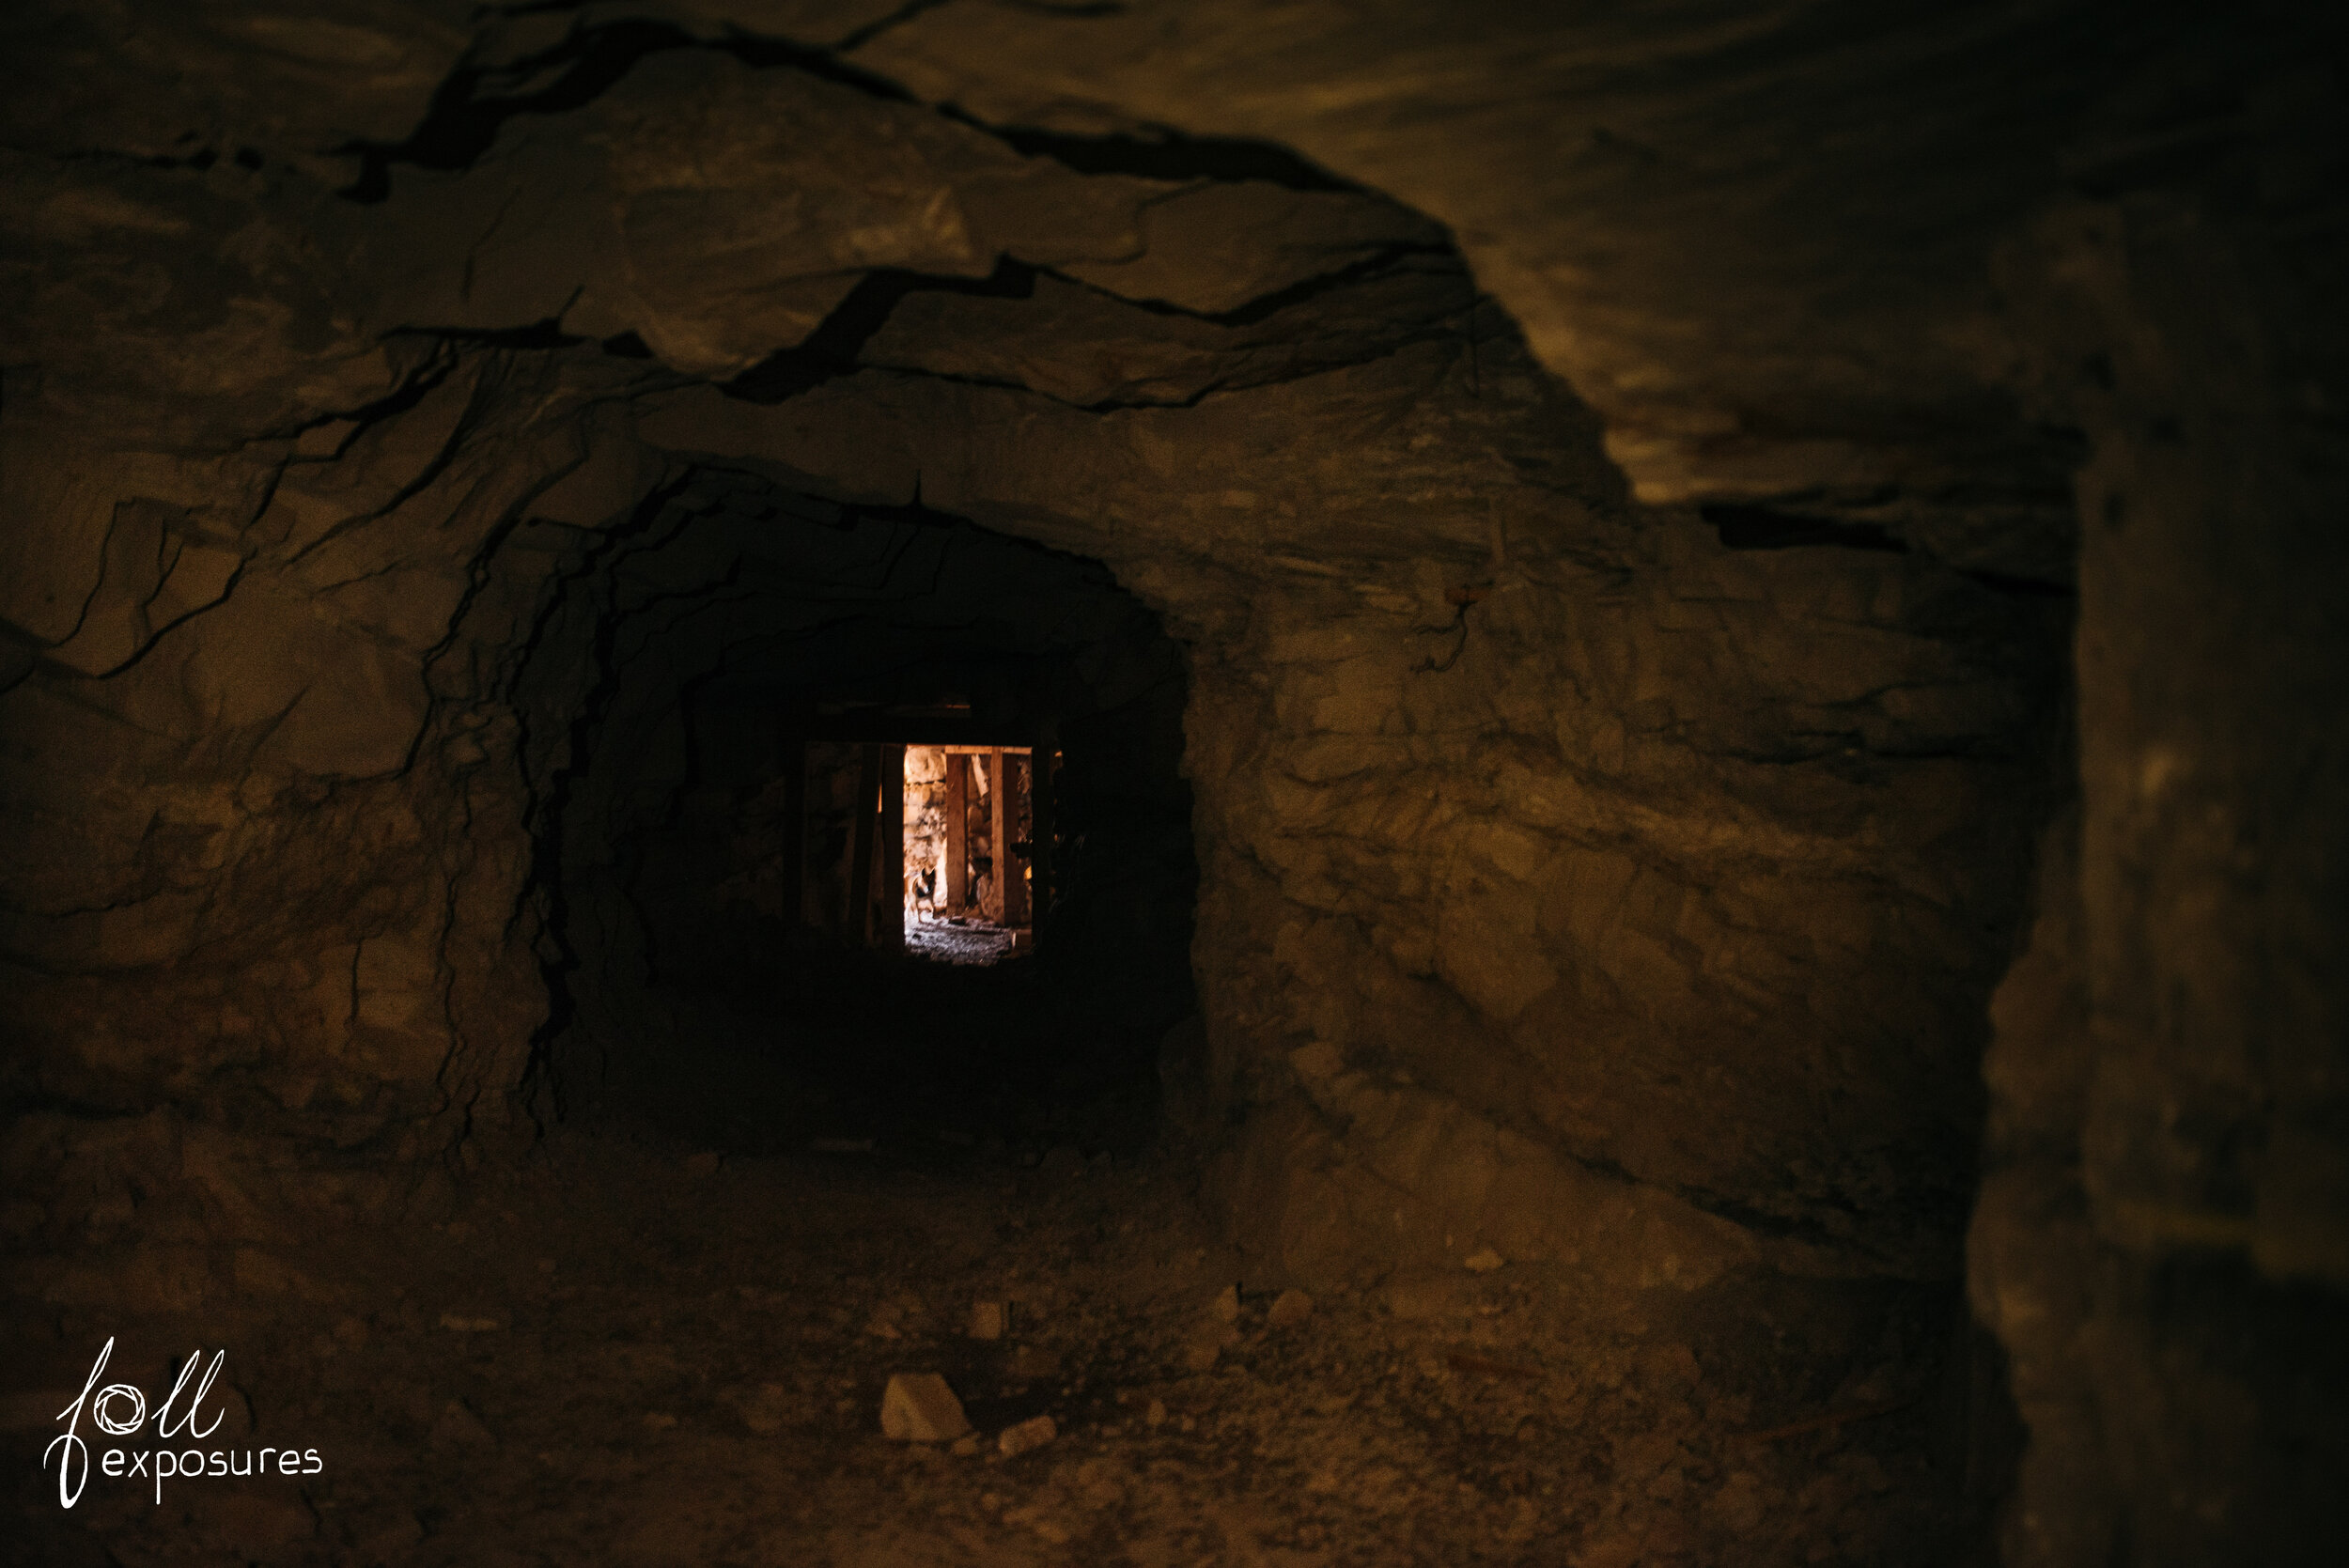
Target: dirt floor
(656,1340)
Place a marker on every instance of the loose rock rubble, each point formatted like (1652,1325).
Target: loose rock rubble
(919,1407)
(1289,1308)
(1510,1417)
(1033,1432)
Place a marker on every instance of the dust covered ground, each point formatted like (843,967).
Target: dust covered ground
(634,1349)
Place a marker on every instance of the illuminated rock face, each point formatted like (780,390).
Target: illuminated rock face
(1612,487)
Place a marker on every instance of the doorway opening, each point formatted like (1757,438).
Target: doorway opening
(977,843)
(940,852)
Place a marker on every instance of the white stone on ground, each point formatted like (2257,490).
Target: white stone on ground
(919,1407)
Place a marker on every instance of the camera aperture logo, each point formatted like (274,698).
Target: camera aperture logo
(120,1410)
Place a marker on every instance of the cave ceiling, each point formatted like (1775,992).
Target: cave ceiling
(1759,241)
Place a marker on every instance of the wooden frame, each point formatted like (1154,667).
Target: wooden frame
(957,834)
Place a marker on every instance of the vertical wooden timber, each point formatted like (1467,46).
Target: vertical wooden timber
(857,918)
(999,834)
(794,834)
(889,865)
(958,832)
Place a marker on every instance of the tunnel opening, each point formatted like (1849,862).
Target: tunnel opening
(753,830)
(979,844)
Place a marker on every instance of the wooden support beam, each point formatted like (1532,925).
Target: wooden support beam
(958,832)
(856,918)
(999,834)
(888,860)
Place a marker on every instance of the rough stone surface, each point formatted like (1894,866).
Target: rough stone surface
(1615,498)
(1661,790)
(919,1407)
(2163,1234)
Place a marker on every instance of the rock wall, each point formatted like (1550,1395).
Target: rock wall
(2163,1237)
(1614,796)
(1677,869)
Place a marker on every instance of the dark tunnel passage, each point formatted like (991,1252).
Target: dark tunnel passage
(753,646)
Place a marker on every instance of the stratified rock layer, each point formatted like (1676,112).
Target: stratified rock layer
(1614,796)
